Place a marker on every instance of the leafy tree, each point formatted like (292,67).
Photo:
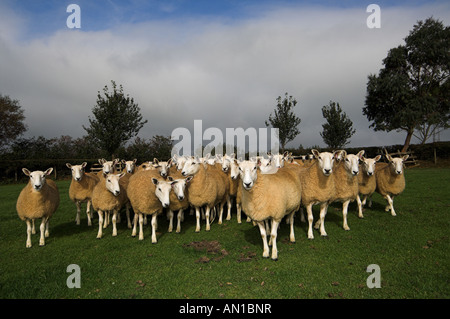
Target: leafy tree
(411,90)
(338,129)
(116,120)
(285,120)
(11,120)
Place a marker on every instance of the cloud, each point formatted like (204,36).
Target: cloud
(227,73)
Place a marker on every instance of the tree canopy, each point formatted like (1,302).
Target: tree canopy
(11,120)
(285,120)
(117,119)
(338,128)
(411,91)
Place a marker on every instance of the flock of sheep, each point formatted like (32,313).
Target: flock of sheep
(266,189)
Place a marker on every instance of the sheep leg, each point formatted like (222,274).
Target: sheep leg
(262,229)
(154,226)
(33,228)
(220,217)
(369,204)
(391,205)
(170,216)
(323,212)
(141,226)
(47,232)
(29,231)
(135,221)
(344,214)
(42,229)
(88,212)
(114,221)
(100,224)
(291,222)
(229,201)
(239,210)
(179,218)
(273,237)
(77,218)
(310,221)
(127,207)
(208,227)
(302,215)
(360,213)
(106,219)
(197,215)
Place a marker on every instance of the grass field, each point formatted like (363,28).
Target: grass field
(411,249)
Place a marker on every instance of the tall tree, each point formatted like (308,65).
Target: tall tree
(11,120)
(116,120)
(338,129)
(285,120)
(411,90)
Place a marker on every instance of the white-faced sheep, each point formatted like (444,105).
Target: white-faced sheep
(149,193)
(208,188)
(366,182)
(38,199)
(284,199)
(230,167)
(80,190)
(108,195)
(318,187)
(163,167)
(346,182)
(390,180)
(178,200)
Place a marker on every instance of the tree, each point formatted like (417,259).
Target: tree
(116,120)
(411,90)
(11,120)
(338,129)
(285,120)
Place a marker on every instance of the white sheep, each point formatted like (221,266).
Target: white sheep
(390,180)
(346,182)
(318,186)
(149,193)
(130,166)
(366,182)
(109,195)
(178,200)
(162,167)
(208,188)
(284,199)
(80,190)
(38,199)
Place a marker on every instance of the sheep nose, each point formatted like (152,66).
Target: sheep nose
(224,169)
(165,205)
(399,172)
(180,197)
(116,193)
(355,172)
(37,186)
(247,185)
(78,179)
(183,173)
(327,170)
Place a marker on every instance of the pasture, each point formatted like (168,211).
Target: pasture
(411,249)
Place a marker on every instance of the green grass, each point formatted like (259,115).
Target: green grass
(411,249)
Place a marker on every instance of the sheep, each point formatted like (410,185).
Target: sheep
(38,199)
(130,166)
(162,167)
(109,195)
(107,167)
(80,190)
(346,182)
(278,159)
(366,182)
(230,167)
(318,186)
(149,194)
(178,200)
(208,188)
(390,180)
(284,199)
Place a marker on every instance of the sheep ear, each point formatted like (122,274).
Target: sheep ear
(155,181)
(404,158)
(315,152)
(48,171)
(123,161)
(134,161)
(233,155)
(269,153)
(155,161)
(101,161)
(360,154)
(377,158)
(389,157)
(121,175)
(169,162)
(84,164)
(26,171)
(68,165)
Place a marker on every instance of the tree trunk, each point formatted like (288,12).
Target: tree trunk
(407,140)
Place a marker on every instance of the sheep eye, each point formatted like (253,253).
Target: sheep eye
(320,157)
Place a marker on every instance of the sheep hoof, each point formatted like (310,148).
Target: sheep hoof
(325,236)
(275,259)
